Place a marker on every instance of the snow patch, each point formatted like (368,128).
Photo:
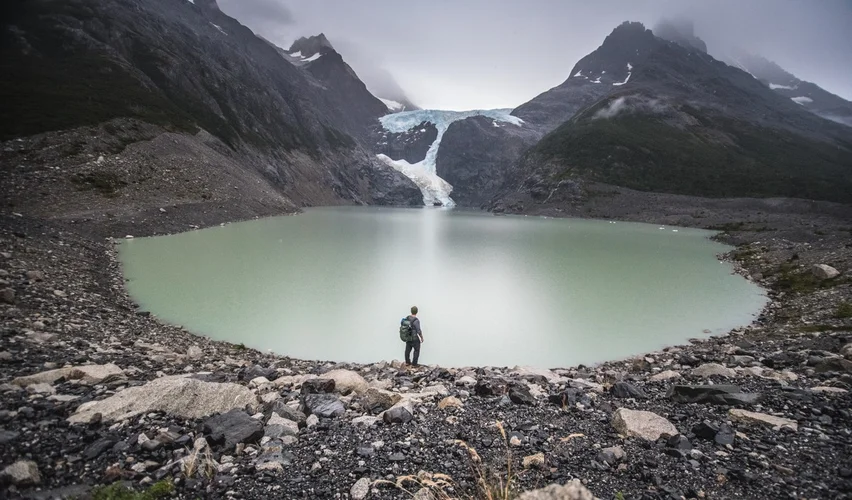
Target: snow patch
(218,28)
(297,54)
(393,105)
(312,58)
(775,86)
(629,72)
(802,100)
(423,173)
(597,80)
(629,67)
(579,73)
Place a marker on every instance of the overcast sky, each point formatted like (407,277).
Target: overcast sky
(469,54)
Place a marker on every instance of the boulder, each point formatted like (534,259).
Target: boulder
(91,374)
(466,381)
(751,417)
(378,400)
(836,364)
(536,460)
(277,427)
(573,490)
(273,457)
(284,410)
(642,424)
(713,370)
(7,296)
(824,272)
(194,352)
(232,428)
(490,388)
(611,455)
(360,489)
(829,390)
(665,375)
(450,402)
(365,420)
(705,430)
(539,373)
(318,386)
(323,405)
(398,415)
(22,473)
(679,442)
(713,394)
(625,390)
(346,381)
(570,397)
(178,396)
(520,394)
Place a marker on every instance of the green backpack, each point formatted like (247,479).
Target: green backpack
(406,334)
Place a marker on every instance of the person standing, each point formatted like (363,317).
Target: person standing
(411,333)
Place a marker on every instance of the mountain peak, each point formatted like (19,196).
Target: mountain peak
(612,62)
(309,46)
(680,31)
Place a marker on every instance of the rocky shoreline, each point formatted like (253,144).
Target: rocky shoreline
(95,391)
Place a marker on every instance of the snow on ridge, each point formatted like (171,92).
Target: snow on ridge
(629,72)
(297,54)
(312,58)
(629,67)
(392,105)
(423,173)
(775,86)
(802,100)
(579,73)
(218,27)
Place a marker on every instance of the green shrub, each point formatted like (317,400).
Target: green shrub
(119,491)
(844,310)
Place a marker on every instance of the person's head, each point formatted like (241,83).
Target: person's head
(414,310)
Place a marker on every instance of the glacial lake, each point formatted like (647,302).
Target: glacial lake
(333,284)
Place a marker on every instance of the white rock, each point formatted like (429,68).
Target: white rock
(346,381)
(466,381)
(573,490)
(713,370)
(312,420)
(366,420)
(666,375)
(23,473)
(829,390)
(643,424)
(194,352)
(176,395)
(751,417)
(824,272)
(91,374)
(360,489)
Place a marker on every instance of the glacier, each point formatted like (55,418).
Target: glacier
(424,173)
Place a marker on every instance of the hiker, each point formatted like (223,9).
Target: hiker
(412,335)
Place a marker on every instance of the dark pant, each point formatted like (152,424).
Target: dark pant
(408,347)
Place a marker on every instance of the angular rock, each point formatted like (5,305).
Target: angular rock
(278,427)
(570,397)
(7,296)
(35,275)
(378,400)
(95,449)
(837,364)
(318,386)
(92,374)
(178,396)
(829,390)
(751,417)
(284,410)
(23,473)
(232,428)
(713,370)
(450,402)
(679,442)
(466,381)
(347,381)
(520,394)
(665,375)
(490,388)
(531,461)
(398,415)
(712,394)
(725,435)
(194,352)
(705,430)
(273,457)
(323,405)
(824,272)
(360,489)
(642,424)
(366,420)
(611,455)
(625,390)
(573,490)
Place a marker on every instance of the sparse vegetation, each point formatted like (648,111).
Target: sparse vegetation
(199,463)
(119,491)
(107,183)
(844,310)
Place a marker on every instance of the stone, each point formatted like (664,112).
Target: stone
(91,374)
(7,296)
(347,381)
(829,390)
(573,490)
(679,442)
(318,386)
(713,370)
(398,415)
(311,421)
(278,427)
(490,388)
(366,420)
(570,397)
(95,449)
(23,473)
(360,489)
(435,390)
(273,457)
(194,352)
(665,375)
(531,371)
(751,417)
(520,394)
(725,435)
(611,455)
(836,364)
(424,493)
(824,272)
(41,389)
(705,430)
(466,381)
(323,405)
(285,410)
(642,424)
(531,461)
(450,402)
(232,428)
(625,390)
(178,396)
(378,400)
(713,394)
(152,445)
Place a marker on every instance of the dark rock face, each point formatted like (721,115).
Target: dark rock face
(285,411)
(318,386)
(626,390)
(410,146)
(398,415)
(713,394)
(323,405)
(490,387)
(520,394)
(230,429)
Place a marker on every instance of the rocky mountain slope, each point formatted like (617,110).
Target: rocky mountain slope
(653,115)
(288,137)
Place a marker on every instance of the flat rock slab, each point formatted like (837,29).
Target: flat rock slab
(234,427)
(323,405)
(91,374)
(642,424)
(751,417)
(713,394)
(573,490)
(178,396)
(713,370)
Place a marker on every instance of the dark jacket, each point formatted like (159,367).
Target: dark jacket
(415,327)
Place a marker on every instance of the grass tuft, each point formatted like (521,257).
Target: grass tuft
(119,491)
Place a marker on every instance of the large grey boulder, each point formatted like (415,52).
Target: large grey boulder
(232,428)
(91,374)
(323,405)
(824,272)
(642,424)
(347,381)
(713,370)
(23,473)
(714,394)
(573,490)
(178,396)
(626,390)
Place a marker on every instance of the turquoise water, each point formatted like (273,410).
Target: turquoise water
(333,283)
